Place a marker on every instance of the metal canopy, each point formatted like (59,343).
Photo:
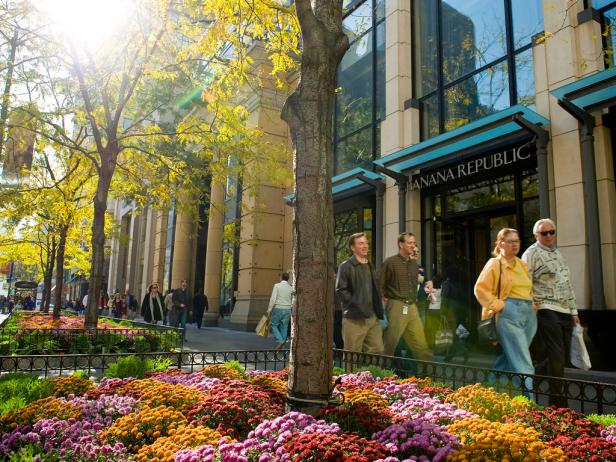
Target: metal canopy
(471,138)
(591,93)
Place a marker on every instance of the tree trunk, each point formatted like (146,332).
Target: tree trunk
(48,277)
(60,270)
(8,83)
(308,112)
(98,241)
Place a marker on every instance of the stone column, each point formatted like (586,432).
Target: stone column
(183,256)
(400,127)
(213,255)
(158,248)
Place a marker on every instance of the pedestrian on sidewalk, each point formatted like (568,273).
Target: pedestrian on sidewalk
(504,290)
(557,307)
(153,307)
(170,315)
(399,279)
(360,299)
(280,309)
(200,305)
(182,304)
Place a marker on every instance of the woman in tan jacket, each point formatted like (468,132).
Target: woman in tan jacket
(504,290)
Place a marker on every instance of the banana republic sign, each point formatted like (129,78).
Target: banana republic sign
(473,166)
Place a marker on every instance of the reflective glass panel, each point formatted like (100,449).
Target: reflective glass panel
(597,4)
(425,43)
(380,71)
(354,99)
(359,21)
(531,215)
(345,224)
(430,116)
(476,97)
(481,195)
(610,31)
(525,78)
(354,151)
(379,10)
(527,21)
(530,186)
(473,35)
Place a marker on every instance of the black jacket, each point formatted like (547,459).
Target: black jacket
(347,282)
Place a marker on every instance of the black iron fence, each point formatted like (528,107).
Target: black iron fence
(583,396)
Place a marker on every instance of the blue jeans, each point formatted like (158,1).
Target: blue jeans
(516,327)
(280,323)
(181,316)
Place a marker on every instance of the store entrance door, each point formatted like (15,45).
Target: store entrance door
(463,245)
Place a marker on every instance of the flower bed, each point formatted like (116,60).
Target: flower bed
(39,333)
(222,414)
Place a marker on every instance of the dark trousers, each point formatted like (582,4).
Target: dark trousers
(554,331)
(338,330)
(198,316)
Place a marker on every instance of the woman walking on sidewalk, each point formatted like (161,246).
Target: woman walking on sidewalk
(504,290)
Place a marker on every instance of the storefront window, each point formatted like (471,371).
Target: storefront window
(360,97)
(608,11)
(480,195)
(468,61)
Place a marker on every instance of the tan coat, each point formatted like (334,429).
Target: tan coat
(486,286)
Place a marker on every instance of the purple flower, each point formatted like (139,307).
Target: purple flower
(416,440)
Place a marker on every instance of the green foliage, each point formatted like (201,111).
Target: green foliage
(160,364)
(132,366)
(141,344)
(377,372)
(526,401)
(27,453)
(338,371)
(236,366)
(81,344)
(18,389)
(82,374)
(606,419)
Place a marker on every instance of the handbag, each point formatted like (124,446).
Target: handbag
(486,328)
(579,353)
(443,338)
(264,325)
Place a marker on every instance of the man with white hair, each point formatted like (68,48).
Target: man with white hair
(557,309)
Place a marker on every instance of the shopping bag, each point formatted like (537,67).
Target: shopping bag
(443,338)
(264,325)
(579,354)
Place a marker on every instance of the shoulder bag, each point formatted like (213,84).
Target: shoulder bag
(486,329)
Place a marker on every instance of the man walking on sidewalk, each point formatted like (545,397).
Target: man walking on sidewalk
(359,297)
(182,304)
(399,279)
(280,309)
(557,308)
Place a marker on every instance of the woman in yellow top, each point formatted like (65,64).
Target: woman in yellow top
(511,302)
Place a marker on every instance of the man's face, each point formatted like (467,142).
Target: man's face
(184,284)
(360,247)
(408,248)
(546,235)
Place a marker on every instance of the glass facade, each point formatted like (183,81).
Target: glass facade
(608,16)
(471,59)
(360,98)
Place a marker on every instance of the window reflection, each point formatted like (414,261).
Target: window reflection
(354,100)
(527,21)
(473,35)
(354,151)
(480,195)
(476,97)
(359,21)
(345,224)
(467,75)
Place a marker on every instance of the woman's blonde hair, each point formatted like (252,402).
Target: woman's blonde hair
(502,234)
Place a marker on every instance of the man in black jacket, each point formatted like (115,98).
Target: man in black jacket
(182,304)
(358,293)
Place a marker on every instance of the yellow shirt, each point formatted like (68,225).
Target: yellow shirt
(522,285)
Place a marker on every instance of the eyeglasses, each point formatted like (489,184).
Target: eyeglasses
(512,241)
(551,232)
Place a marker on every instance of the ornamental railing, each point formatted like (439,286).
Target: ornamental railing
(583,396)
